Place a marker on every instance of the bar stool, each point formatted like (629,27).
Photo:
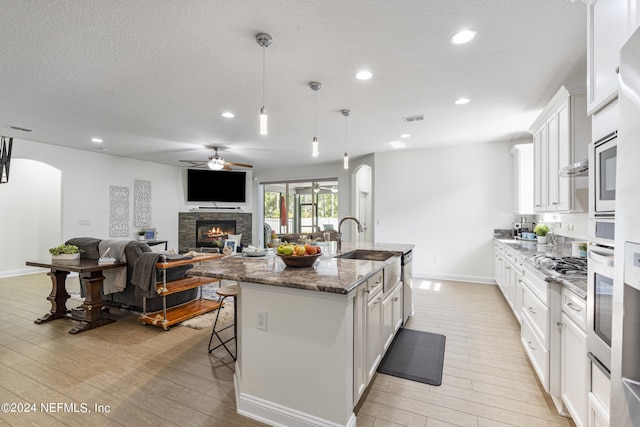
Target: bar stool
(225,292)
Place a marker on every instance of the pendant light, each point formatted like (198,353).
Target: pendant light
(264,41)
(346,114)
(315,87)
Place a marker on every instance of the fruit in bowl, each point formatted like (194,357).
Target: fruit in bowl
(298,255)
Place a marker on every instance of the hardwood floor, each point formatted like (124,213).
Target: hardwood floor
(146,376)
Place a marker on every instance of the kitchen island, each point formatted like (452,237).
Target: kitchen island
(310,360)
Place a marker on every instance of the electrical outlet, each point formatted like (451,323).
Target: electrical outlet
(84,222)
(262,320)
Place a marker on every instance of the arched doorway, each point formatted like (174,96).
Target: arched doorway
(363,202)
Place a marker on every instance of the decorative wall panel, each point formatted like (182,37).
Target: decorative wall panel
(142,202)
(119,211)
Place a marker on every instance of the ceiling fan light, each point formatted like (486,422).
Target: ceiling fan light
(216,164)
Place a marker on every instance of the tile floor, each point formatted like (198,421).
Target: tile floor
(142,376)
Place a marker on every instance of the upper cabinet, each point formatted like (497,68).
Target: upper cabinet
(522,155)
(610,22)
(561,135)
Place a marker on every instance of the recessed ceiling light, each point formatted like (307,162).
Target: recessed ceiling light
(364,75)
(405,135)
(97,140)
(397,144)
(462,101)
(228,115)
(463,36)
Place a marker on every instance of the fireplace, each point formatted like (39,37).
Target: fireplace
(212,233)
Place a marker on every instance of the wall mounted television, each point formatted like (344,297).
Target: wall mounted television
(216,186)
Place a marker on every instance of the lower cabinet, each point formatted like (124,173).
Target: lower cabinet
(599,398)
(575,370)
(374,335)
(391,315)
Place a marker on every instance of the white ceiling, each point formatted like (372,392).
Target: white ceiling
(151,77)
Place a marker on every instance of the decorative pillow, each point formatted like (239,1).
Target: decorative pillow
(236,237)
(157,248)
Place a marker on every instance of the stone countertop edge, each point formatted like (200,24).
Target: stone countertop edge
(328,274)
(529,249)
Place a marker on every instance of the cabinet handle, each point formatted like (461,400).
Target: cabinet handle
(572,307)
(507,267)
(618,69)
(532,310)
(531,346)
(555,203)
(366,291)
(396,299)
(560,324)
(377,301)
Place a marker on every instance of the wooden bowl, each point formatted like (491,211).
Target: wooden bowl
(302,261)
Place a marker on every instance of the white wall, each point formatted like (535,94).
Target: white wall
(447,201)
(86,177)
(30,214)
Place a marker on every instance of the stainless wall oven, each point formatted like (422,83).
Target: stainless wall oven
(600,303)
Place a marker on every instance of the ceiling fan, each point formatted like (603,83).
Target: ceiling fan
(216,162)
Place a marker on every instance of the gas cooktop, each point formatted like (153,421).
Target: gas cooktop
(564,266)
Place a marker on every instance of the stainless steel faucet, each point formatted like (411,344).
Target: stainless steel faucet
(339,236)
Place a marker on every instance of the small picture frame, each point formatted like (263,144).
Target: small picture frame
(230,244)
(150,233)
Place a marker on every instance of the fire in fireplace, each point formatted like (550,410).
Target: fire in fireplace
(212,233)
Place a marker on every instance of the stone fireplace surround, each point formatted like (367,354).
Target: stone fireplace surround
(187,226)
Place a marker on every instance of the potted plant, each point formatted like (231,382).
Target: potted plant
(582,247)
(141,234)
(541,231)
(65,252)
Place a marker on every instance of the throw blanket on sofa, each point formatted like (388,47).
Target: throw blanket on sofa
(115,280)
(144,274)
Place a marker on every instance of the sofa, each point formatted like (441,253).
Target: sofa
(133,294)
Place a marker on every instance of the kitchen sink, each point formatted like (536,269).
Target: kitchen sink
(366,255)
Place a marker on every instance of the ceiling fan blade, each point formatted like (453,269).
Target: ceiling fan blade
(243,165)
(227,168)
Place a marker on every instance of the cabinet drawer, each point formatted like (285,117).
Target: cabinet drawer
(575,308)
(537,285)
(538,315)
(537,352)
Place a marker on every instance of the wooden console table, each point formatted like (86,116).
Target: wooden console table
(90,314)
(168,317)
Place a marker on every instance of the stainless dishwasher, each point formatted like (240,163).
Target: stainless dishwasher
(407,279)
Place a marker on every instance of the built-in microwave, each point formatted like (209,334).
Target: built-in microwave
(604,155)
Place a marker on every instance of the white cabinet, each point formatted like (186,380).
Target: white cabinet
(359,342)
(535,334)
(607,31)
(561,135)
(367,332)
(391,315)
(575,365)
(633,16)
(599,398)
(374,335)
(522,155)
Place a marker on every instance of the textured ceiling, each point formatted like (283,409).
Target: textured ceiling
(152,77)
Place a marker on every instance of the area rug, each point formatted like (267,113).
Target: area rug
(415,355)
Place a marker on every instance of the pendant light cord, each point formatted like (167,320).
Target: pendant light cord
(264,54)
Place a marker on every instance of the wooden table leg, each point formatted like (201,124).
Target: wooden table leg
(58,297)
(90,312)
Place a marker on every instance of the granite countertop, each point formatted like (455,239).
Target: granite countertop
(528,250)
(328,274)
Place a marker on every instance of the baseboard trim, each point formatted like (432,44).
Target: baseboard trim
(21,272)
(454,277)
(278,415)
